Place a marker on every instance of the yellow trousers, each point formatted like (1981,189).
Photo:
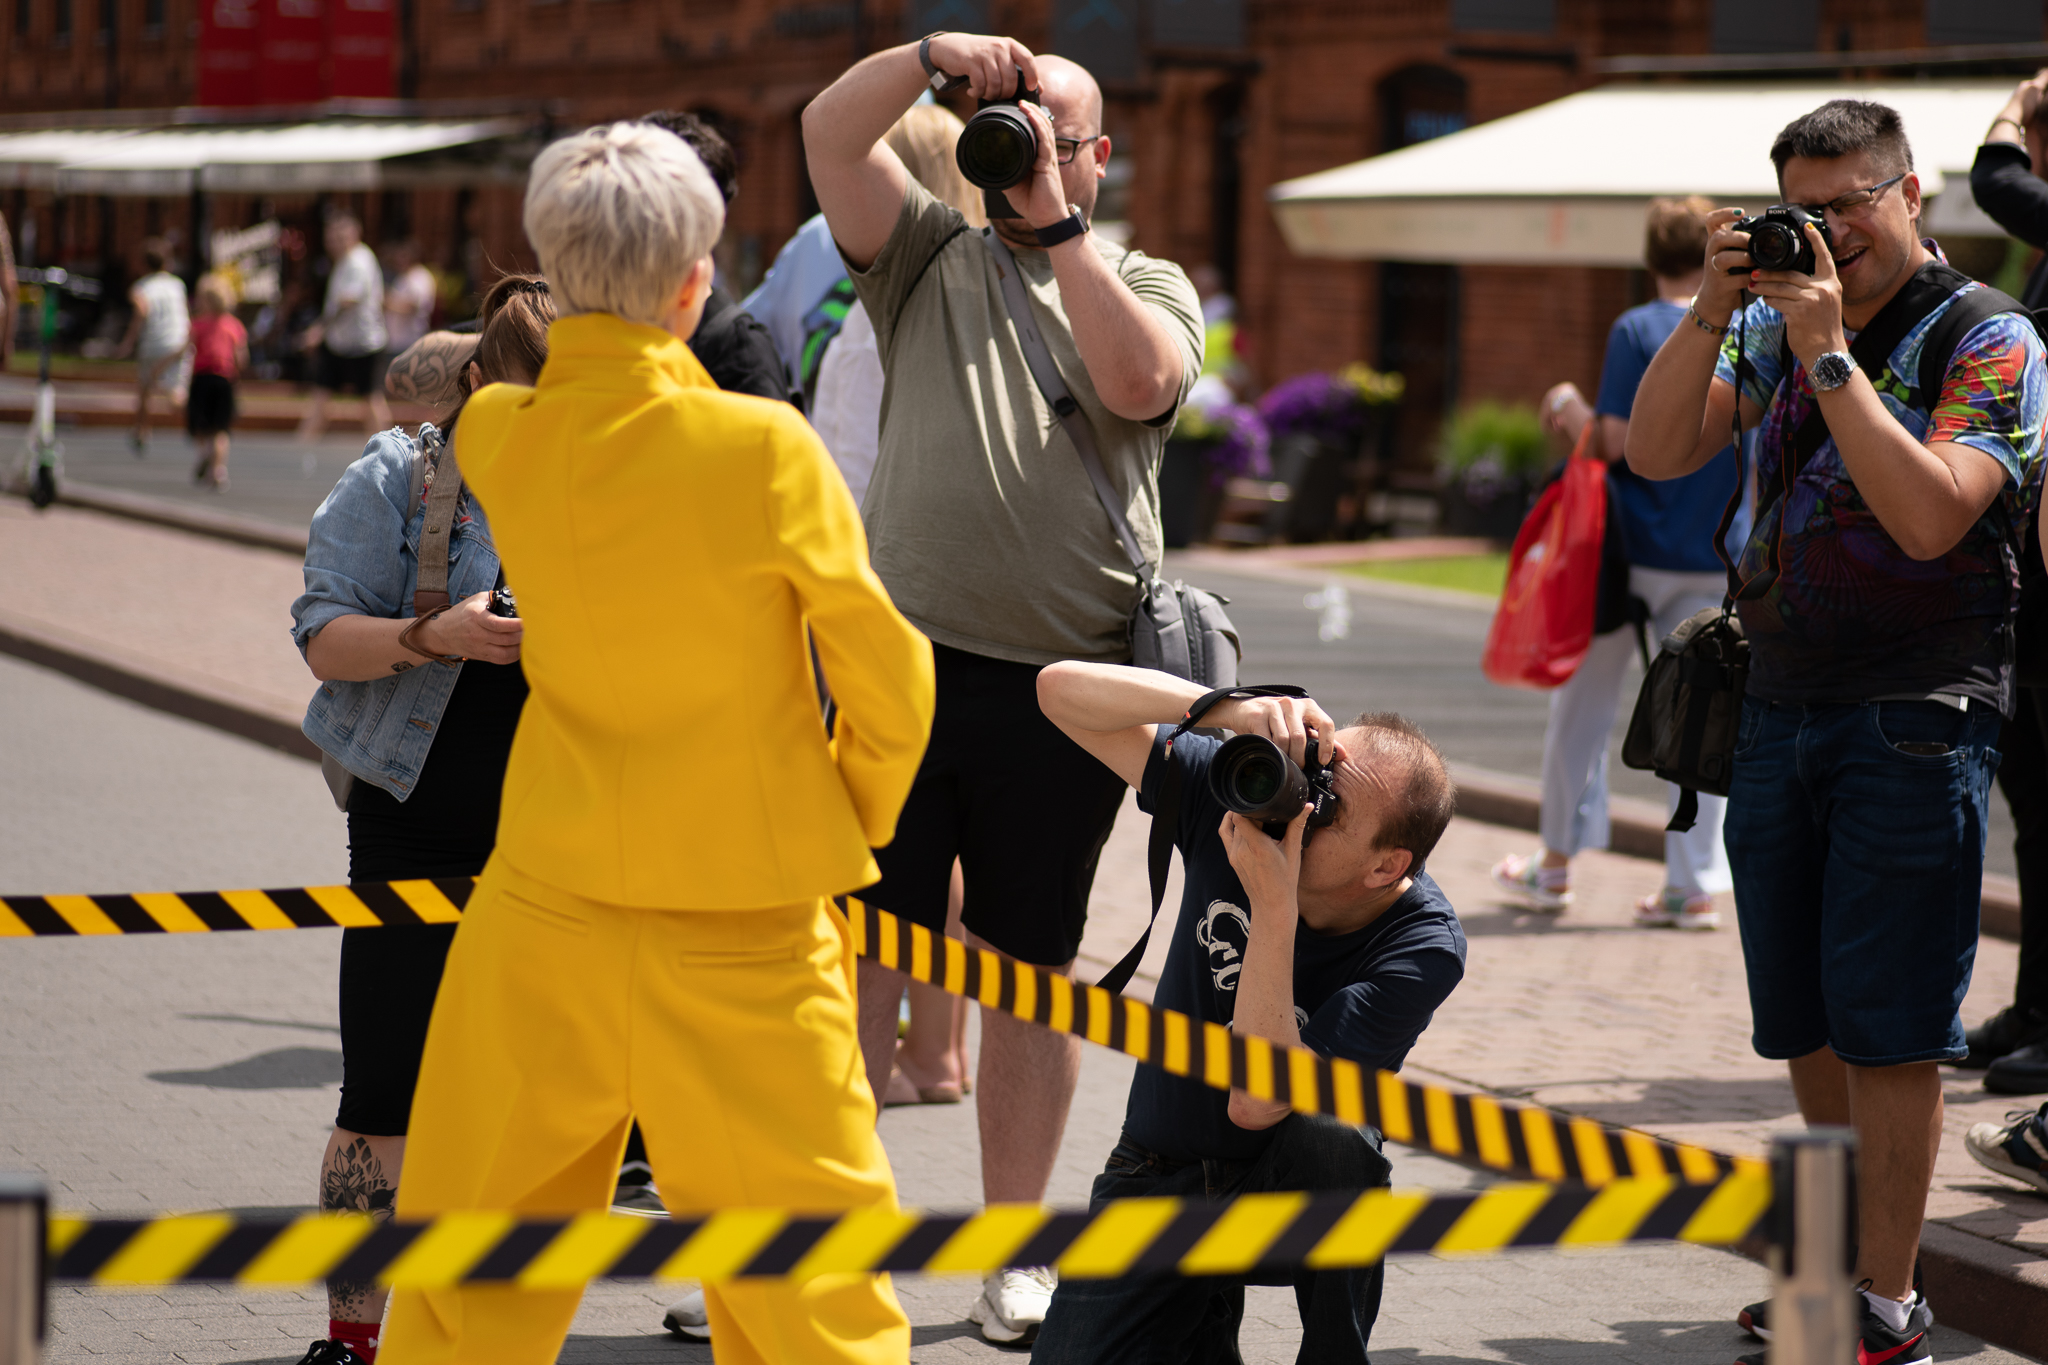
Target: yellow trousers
(729,1033)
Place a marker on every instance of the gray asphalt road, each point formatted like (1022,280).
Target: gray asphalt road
(1421,659)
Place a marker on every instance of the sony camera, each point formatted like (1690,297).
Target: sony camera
(1777,238)
(503,603)
(998,147)
(1254,777)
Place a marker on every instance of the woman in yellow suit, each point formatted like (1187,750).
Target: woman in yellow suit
(652,934)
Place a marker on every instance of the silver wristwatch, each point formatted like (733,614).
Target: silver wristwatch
(1832,371)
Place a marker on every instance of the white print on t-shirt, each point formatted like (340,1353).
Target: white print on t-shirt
(1224,931)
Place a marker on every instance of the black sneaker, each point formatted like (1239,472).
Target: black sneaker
(330,1352)
(2009,1030)
(1880,1345)
(2018,1150)
(2023,1071)
(1756,1319)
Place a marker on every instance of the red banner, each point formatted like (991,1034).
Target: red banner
(360,48)
(229,42)
(294,47)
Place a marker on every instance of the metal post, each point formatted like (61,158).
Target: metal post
(1813,1207)
(24,1217)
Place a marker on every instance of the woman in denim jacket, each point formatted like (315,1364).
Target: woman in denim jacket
(421,714)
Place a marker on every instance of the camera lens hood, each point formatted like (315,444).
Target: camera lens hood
(997,148)
(1254,777)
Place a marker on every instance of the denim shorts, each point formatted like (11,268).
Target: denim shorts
(1858,868)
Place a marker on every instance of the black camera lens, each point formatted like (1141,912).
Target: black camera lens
(1774,246)
(1252,776)
(997,148)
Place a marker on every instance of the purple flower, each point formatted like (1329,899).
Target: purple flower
(1332,408)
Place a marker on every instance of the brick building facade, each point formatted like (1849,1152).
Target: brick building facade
(1210,102)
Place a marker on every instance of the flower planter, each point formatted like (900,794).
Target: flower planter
(1493,508)
(1189,498)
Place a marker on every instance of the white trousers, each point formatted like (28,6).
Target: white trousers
(1582,716)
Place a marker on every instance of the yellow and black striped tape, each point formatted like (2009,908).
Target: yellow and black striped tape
(1518,1139)
(1252,1233)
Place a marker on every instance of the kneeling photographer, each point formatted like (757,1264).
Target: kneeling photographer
(1308,922)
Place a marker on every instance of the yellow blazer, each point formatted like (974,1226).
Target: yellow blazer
(668,543)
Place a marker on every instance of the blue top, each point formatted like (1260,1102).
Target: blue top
(1669,524)
(805,269)
(1366,995)
(362,559)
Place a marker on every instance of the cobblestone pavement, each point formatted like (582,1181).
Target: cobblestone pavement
(200,1072)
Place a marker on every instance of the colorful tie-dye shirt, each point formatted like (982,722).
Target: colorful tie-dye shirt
(1851,615)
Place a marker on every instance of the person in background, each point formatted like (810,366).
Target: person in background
(802,302)
(2007,182)
(348,338)
(734,349)
(931,1061)
(1674,570)
(220,352)
(159,329)
(408,297)
(420,713)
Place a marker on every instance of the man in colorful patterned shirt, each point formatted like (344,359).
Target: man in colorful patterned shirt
(1879,586)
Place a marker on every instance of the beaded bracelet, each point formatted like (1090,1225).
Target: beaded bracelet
(1693,314)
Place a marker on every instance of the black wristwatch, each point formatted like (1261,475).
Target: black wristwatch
(942,84)
(1065,230)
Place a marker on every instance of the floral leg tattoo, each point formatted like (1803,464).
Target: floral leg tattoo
(355,1182)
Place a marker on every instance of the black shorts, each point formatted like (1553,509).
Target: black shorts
(210,405)
(388,980)
(1024,808)
(346,373)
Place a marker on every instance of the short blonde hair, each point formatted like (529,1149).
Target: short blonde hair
(619,215)
(1675,237)
(923,140)
(214,289)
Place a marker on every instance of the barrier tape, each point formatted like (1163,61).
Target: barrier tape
(1250,1234)
(1502,1136)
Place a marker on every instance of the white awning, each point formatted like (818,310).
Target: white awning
(1567,183)
(301,158)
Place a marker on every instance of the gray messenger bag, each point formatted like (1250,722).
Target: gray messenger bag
(1175,628)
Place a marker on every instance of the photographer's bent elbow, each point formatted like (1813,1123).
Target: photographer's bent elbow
(1255,1115)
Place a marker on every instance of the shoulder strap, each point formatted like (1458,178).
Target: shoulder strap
(1938,350)
(1166,822)
(419,480)
(431,592)
(1047,374)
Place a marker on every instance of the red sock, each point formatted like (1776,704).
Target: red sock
(360,1337)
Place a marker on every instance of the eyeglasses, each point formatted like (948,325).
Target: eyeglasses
(1067,148)
(1855,203)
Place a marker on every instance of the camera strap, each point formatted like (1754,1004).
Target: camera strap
(430,592)
(1166,821)
(1046,373)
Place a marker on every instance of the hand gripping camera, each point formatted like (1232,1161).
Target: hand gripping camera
(999,146)
(1777,239)
(1254,777)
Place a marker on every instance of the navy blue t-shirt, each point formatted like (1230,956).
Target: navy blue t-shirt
(1668,524)
(1365,996)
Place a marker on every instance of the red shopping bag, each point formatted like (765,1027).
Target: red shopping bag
(1544,622)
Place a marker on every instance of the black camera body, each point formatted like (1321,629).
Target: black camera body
(999,146)
(1777,238)
(1254,777)
(503,603)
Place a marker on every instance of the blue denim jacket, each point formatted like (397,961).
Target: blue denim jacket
(362,558)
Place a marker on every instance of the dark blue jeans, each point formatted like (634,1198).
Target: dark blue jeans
(1176,1320)
(1856,834)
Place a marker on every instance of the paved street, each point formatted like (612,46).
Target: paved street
(193,1073)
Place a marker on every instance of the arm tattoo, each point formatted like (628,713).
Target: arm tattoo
(426,371)
(401,666)
(355,1181)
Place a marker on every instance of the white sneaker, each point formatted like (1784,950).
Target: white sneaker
(1013,1303)
(685,1317)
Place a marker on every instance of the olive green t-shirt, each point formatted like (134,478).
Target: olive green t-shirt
(980,517)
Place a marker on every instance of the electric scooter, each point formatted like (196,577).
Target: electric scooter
(43,454)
